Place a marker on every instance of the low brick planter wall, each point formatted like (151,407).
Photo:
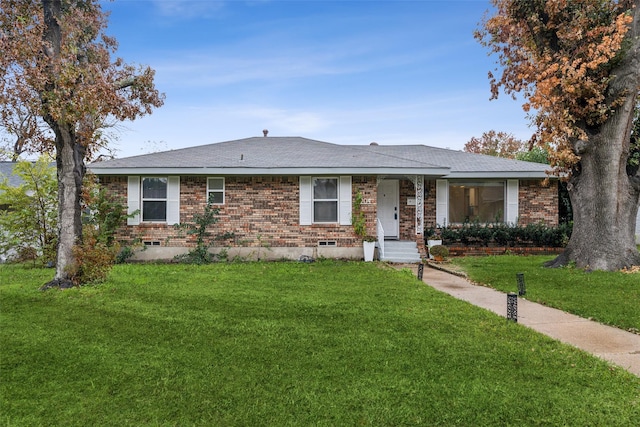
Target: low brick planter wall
(501,250)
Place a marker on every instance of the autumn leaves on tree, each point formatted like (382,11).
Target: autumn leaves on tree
(57,66)
(577,64)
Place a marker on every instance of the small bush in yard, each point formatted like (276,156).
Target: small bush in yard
(439,251)
(97,252)
(204,238)
(94,259)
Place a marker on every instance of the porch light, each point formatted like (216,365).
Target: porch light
(512,306)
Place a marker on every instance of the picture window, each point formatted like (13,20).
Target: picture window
(483,202)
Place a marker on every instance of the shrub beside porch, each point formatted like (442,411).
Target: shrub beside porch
(499,239)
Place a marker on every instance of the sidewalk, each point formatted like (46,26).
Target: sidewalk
(619,347)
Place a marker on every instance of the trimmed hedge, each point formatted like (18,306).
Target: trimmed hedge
(476,234)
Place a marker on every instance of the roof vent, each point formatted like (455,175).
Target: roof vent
(374,143)
(265,132)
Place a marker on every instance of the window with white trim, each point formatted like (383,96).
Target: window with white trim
(215,190)
(325,200)
(482,201)
(154,199)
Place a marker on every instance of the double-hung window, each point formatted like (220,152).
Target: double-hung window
(154,199)
(215,191)
(325,200)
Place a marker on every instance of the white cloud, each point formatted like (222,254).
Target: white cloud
(295,122)
(187,9)
(210,70)
(447,122)
(212,66)
(352,78)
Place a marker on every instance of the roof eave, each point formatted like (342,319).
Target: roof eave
(269,171)
(499,175)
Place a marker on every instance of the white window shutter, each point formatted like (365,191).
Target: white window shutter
(511,214)
(344,209)
(305,200)
(173,200)
(133,199)
(442,202)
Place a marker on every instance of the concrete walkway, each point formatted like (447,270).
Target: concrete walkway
(619,347)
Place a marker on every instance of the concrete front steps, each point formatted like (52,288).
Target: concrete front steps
(400,251)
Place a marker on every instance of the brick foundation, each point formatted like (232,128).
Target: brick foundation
(501,250)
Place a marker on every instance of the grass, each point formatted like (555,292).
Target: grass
(612,298)
(285,344)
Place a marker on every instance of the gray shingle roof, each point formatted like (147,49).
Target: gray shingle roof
(288,155)
(460,162)
(269,152)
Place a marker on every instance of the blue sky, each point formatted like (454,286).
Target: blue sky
(347,72)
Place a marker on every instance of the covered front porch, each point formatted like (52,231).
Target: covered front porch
(401,206)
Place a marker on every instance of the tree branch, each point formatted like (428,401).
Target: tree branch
(125,83)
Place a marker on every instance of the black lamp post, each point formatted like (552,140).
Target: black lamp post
(522,289)
(512,306)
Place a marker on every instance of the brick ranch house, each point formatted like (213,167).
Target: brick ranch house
(284,197)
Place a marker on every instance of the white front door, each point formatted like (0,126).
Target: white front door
(388,207)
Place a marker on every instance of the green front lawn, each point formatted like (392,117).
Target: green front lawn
(277,344)
(612,298)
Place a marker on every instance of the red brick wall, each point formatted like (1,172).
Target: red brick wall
(408,213)
(259,211)
(264,210)
(368,188)
(430,205)
(538,202)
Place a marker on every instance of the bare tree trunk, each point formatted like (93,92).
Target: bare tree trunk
(71,171)
(69,159)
